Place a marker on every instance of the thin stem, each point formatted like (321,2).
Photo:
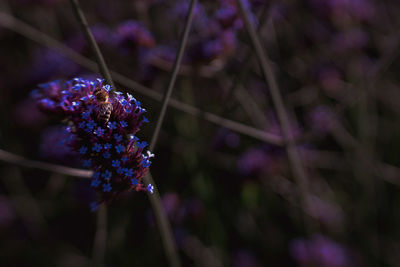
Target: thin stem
(27,31)
(229,124)
(235,87)
(293,155)
(92,43)
(384,62)
(245,100)
(162,221)
(387,172)
(365,132)
(99,244)
(174,74)
(163,224)
(21,161)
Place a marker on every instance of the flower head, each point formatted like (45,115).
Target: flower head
(107,149)
(132,35)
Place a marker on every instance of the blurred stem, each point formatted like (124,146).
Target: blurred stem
(366,132)
(236,87)
(162,221)
(245,65)
(174,74)
(26,30)
(21,161)
(92,43)
(142,11)
(388,172)
(163,224)
(295,162)
(100,238)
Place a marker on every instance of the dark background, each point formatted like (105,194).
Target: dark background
(231,198)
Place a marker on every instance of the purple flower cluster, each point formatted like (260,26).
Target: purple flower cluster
(127,36)
(178,211)
(228,14)
(109,148)
(321,119)
(320,251)
(217,32)
(214,35)
(343,9)
(213,38)
(265,160)
(49,64)
(101,33)
(132,34)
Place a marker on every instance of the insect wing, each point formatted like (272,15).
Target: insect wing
(105,108)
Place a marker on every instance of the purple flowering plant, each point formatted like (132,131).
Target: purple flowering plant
(240,187)
(117,157)
(132,34)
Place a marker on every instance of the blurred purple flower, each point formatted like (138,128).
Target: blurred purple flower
(213,36)
(102,34)
(277,10)
(359,9)
(227,16)
(320,251)
(178,211)
(350,40)
(226,137)
(48,64)
(7,212)
(170,202)
(27,114)
(330,79)
(131,35)
(180,10)
(164,52)
(224,45)
(54,145)
(253,161)
(321,119)
(244,258)
(341,9)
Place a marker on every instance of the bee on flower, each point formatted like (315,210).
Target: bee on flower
(103,124)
